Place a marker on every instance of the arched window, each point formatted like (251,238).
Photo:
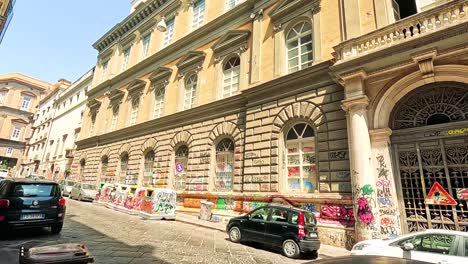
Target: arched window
(123,168)
(148,169)
(104,166)
(190,91)
(82,169)
(224,165)
(180,170)
(231,73)
(159,101)
(301,169)
(299,46)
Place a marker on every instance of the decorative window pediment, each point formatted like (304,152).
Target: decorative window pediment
(127,41)
(136,86)
(161,74)
(191,60)
(115,95)
(19,121)
(107,54)
(234,41)
(287,9)
(94,104)
(27,93)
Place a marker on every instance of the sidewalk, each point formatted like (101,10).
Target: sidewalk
(325,250)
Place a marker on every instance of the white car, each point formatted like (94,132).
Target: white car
(432,245)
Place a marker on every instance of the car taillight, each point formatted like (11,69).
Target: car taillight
(4,203)
(301,230)
(61,202)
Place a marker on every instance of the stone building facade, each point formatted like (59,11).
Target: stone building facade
(265,101)
(19,96)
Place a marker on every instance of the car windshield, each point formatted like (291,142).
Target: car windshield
(33,190)
(88,187)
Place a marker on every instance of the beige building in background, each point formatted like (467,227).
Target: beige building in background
(242,102)
(19,96)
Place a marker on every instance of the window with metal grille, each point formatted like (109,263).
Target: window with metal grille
(148,169)
(2,97)
(135,108)
(115,117)
(299,47)
(146,44)
(82,169)
(92,128)
(104,166)
(180,172)
(224,165)
(198,14)
(16,133)
(301,169)
(169,32)
(231,73)
(26,102)
(123,168)
(104,66)
(190,91)
(159,101)
(126,58)
(233,3)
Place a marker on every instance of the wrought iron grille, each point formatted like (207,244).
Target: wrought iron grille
(423,163)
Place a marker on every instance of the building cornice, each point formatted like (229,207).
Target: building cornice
(131,22)
(205,34)
(15,111)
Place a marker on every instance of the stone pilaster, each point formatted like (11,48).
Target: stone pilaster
(387,202)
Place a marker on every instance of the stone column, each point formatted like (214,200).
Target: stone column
(387,201)
(362,174)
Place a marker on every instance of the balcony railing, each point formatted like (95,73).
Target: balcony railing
(433,20)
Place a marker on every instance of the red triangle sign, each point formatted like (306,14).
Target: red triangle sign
(439,196)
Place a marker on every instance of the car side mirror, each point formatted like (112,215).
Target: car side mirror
(407,247)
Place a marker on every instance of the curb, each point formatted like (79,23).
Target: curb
(200,225)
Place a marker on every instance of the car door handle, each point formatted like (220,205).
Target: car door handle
(262,223)
(285,226)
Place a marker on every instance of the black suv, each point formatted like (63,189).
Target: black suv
(292,229)
(31,203)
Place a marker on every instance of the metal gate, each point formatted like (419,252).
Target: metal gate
(420,163)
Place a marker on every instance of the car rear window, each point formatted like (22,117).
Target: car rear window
(89,187)
(34,190)
(308,218)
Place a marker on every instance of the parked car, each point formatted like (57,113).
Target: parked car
(292,229)
(67,186)
(432,245)
(31,203)
(83,191)
(366,260)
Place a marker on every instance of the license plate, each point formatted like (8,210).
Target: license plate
(32,216)
(312,235)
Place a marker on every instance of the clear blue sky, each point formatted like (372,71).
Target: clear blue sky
(52,39)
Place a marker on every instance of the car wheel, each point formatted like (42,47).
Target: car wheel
(56,228)
(80,198)
(235,234)
(291,249)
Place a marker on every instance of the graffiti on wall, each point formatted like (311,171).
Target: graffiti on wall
(164,201)
(384,196)
(337,214)
(338,238)
(364,203)
(389,221)
(225,204)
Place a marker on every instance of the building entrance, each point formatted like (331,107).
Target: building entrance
(430,143)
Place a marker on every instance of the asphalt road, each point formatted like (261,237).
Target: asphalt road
(114,237)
